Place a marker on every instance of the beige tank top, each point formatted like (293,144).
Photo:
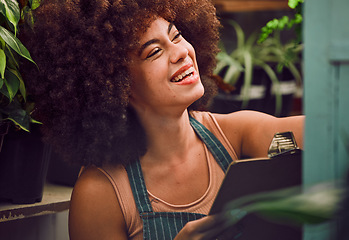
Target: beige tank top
(117,176)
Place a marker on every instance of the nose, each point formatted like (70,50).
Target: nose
(178,53)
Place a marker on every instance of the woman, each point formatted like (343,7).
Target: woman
(118,90)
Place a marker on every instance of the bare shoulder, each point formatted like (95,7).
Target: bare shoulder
(251,132)
(94,209)
(244,117)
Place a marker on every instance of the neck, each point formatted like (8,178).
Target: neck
(169,137)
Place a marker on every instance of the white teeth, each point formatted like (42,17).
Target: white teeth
(185,73)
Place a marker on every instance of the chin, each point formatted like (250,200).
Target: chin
(199,92)
(199,89)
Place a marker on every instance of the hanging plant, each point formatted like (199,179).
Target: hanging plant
(285,22)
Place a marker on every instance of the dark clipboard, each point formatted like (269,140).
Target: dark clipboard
(281,169)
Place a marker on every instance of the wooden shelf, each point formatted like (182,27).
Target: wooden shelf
(247,5)
(56,198)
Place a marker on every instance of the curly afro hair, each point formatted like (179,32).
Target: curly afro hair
(81,86)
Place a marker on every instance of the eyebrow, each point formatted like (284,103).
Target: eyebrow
(145,45)
(170,27)
(150,42)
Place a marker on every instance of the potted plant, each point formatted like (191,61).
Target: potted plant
(271,32)
(253,63)
(14,107)
(23,156)
(285,60)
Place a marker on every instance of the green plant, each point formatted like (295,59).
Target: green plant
(284,22)
(241,60)
(249,54)
(314,205)
(273,51)
(14,106)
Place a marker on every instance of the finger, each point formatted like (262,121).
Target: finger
(233,232)
(226,225)
(209,222)
(198,229)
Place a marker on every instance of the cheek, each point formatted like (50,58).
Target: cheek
(136,84)
(192,54)
(144,85)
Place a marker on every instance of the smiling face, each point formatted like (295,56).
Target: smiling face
(164,70)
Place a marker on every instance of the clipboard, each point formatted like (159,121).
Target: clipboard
(281,169)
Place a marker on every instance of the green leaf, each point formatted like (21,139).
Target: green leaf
(230,75)
(294,3)
(273,23)
(276,83)
(15,44)
(298,18)
(10,9)
(2,43)
(240,35)
(34,4)
(11,85)
(34,121)
(22,90)
(315,205)
(311,208)
(247,78)
(18,115)
(28,16)
(233,67)
(2,63)
(11,59)
(4,90)
(21,119)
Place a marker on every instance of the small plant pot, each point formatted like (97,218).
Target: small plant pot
(230,102)
(287,89)
(227,102)
(23,167)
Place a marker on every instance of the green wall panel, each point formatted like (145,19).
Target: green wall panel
(326,101)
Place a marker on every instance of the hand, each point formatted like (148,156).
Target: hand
(210,227)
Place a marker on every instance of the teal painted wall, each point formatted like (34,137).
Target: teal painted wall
(326,96)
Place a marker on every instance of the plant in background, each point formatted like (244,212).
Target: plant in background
(14,106)
(249,55)
(287,55)
(284,22)
(282,55)
(242,60)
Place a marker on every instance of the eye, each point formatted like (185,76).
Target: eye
(153,52)
(177,36)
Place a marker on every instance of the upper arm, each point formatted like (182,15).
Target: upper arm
(94,211)
(251,133)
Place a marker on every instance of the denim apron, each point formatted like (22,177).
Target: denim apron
(166,225)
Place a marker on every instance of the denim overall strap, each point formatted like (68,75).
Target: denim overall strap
(156,225)
(139,190)
(166,225)
(213,144)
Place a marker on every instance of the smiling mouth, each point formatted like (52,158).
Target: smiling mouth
(180,77)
